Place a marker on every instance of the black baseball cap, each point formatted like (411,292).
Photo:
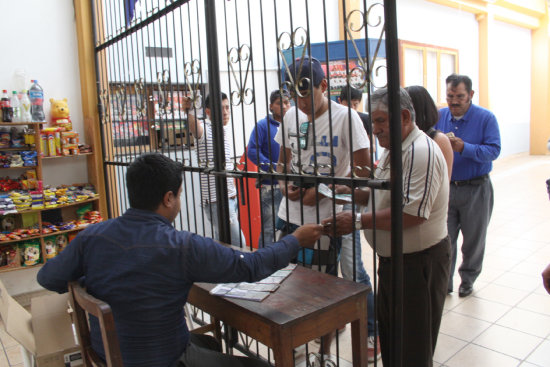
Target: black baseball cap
(306,67)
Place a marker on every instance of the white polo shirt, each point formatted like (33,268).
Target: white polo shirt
(425,194)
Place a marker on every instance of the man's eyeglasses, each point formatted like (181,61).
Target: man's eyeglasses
(303,135)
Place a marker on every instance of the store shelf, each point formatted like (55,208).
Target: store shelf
(5,270)
(14,149)
(96,198)
(43,235)
(67,156)
(22,167)
(21,123)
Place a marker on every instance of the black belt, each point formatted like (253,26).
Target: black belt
(474,181)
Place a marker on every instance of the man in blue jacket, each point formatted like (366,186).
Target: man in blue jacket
(263,151)
(475,138)
(144,268)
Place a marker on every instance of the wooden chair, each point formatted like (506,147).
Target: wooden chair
(84,304)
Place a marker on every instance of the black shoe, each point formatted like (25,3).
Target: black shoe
(465,290)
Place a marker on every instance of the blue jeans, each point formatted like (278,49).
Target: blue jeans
(270,199)
(346,266)
(211,211)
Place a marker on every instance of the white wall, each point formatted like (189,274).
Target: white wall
(510,82)
(509,61)
(41,41)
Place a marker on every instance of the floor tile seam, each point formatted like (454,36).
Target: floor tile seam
(520,360)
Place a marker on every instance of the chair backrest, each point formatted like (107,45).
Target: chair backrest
(83,304)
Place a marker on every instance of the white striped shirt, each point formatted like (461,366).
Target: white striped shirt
(205,153)
(425,194)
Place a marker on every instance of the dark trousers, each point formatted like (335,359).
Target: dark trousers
(470,209)
(205,351)
(425,276)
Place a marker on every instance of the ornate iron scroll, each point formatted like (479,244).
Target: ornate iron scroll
(365,69)
(298,38)
(237,56)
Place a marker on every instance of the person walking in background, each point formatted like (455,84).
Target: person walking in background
(351,97)
(263,151)
(426,245)
(202,131)
(426,118)
(475,139)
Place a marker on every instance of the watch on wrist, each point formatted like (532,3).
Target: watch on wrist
(358,223)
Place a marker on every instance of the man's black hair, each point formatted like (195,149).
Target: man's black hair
(456,79)
(149,177)
(207,99)
(354,94)
(424,107)
(276,94)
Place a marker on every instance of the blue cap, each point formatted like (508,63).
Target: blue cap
(306,67)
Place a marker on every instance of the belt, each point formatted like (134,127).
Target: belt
(387,259)
(474,181)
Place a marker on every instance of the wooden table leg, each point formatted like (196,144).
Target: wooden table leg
(359,338)
(283,351)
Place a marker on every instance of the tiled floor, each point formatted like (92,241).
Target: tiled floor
(506,321)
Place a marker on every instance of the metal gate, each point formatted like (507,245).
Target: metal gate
(154,55)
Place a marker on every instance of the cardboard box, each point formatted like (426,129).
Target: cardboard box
(46,332)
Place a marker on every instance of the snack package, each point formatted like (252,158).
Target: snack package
(31,253)
(9,256)
(51,247)
(61,241)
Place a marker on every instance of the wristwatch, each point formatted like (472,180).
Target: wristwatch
(358,224)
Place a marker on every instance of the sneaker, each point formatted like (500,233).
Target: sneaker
(314,360)
(370,349)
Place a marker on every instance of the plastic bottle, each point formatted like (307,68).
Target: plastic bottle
(25,107)
(16,107)
(7,111)
(36,95)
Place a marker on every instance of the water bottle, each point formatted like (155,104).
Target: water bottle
(16,107)
(7,112)
(25,107)
(36,95)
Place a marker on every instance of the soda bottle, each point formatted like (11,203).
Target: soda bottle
(25,106)
(36,95)
(7,112)
(16,107)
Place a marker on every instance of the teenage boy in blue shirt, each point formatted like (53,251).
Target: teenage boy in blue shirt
(263,151)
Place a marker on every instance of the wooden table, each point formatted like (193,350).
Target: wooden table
(307,305)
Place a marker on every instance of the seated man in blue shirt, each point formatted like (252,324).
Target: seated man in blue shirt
(144,268)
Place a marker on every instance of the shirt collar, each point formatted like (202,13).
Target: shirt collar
(415,132)
(272,120)
(146,214)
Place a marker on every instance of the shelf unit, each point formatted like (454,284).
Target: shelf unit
(37,126)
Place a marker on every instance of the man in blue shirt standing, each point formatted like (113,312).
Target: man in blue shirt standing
(263,151)
(144,268)
(475,139)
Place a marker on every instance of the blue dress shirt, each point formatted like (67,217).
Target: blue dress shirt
(144,268)
(478,128)
(265,147)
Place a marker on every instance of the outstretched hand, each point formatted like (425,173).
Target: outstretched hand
(344,224)
(308,234)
